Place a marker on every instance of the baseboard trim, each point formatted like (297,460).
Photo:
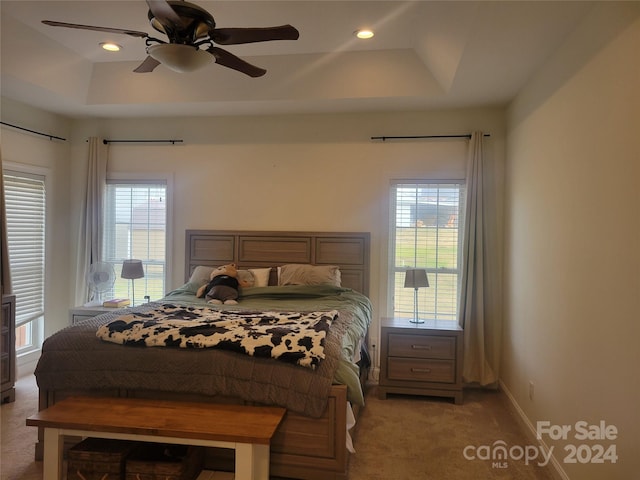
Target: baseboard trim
(556,468)
(26,364)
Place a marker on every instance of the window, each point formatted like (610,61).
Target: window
(25,211)
(135,227)
(426,232)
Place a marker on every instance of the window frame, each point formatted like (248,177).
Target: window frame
(134,178)
(395,277)
(35,323)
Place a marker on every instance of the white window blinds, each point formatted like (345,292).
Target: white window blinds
(426,232)
(135,227)
(25,211)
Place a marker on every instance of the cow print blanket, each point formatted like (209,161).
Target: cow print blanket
(295,337)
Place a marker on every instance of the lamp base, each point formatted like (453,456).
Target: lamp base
(415,318)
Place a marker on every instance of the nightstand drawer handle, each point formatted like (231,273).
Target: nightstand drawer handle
(421,347)
(421,370)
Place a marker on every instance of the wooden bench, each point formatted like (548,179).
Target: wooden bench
(246,429)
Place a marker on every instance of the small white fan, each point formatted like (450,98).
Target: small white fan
(100,279)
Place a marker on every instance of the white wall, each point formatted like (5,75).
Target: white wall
(573,242)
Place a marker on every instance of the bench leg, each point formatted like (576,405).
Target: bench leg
(252,462)
(52,461)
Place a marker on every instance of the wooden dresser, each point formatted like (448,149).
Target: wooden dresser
(421,359)
(8,349)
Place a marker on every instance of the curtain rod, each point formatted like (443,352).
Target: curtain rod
(50,137)
(172,141)
(465,135)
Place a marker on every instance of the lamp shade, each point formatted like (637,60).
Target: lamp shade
(416,278)
(180,58)
(132,269)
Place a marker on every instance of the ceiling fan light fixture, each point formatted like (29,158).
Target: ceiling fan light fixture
(110,46)
(180,58)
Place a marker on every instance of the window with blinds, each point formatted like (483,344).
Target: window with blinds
(426,232)
(135,223)
(25,201)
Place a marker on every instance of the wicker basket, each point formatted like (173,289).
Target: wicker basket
(155,461)
(98,459)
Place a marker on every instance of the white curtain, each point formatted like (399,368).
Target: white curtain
(481,285)
(90,231)
(5,271)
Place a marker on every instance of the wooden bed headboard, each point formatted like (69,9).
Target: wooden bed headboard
(248,249)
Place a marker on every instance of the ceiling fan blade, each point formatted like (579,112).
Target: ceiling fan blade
(133,33)
(233,36)
(231,61)
(147,65)
(164,13)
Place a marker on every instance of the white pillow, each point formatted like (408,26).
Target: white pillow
(261,276)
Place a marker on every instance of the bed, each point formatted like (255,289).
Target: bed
(322,277)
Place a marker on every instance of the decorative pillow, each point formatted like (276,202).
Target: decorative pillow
(304,274)
(260,276)
(247,276)
(201,275)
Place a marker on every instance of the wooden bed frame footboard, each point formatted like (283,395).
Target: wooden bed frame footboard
(303,447)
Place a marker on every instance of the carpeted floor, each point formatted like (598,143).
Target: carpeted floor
(18,440)
(401,438)
(418,438)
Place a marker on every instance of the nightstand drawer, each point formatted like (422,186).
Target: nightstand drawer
(421,370)
(80,318)
(80,314)
(422,346)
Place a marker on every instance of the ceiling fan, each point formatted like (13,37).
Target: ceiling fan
(189,27)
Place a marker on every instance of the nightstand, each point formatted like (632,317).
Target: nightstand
(79,314)
(421,359)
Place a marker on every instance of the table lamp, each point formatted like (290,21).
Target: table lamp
(132,269)
(416,278)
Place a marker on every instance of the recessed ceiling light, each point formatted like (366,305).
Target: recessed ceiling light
(111,47)
(364,34)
